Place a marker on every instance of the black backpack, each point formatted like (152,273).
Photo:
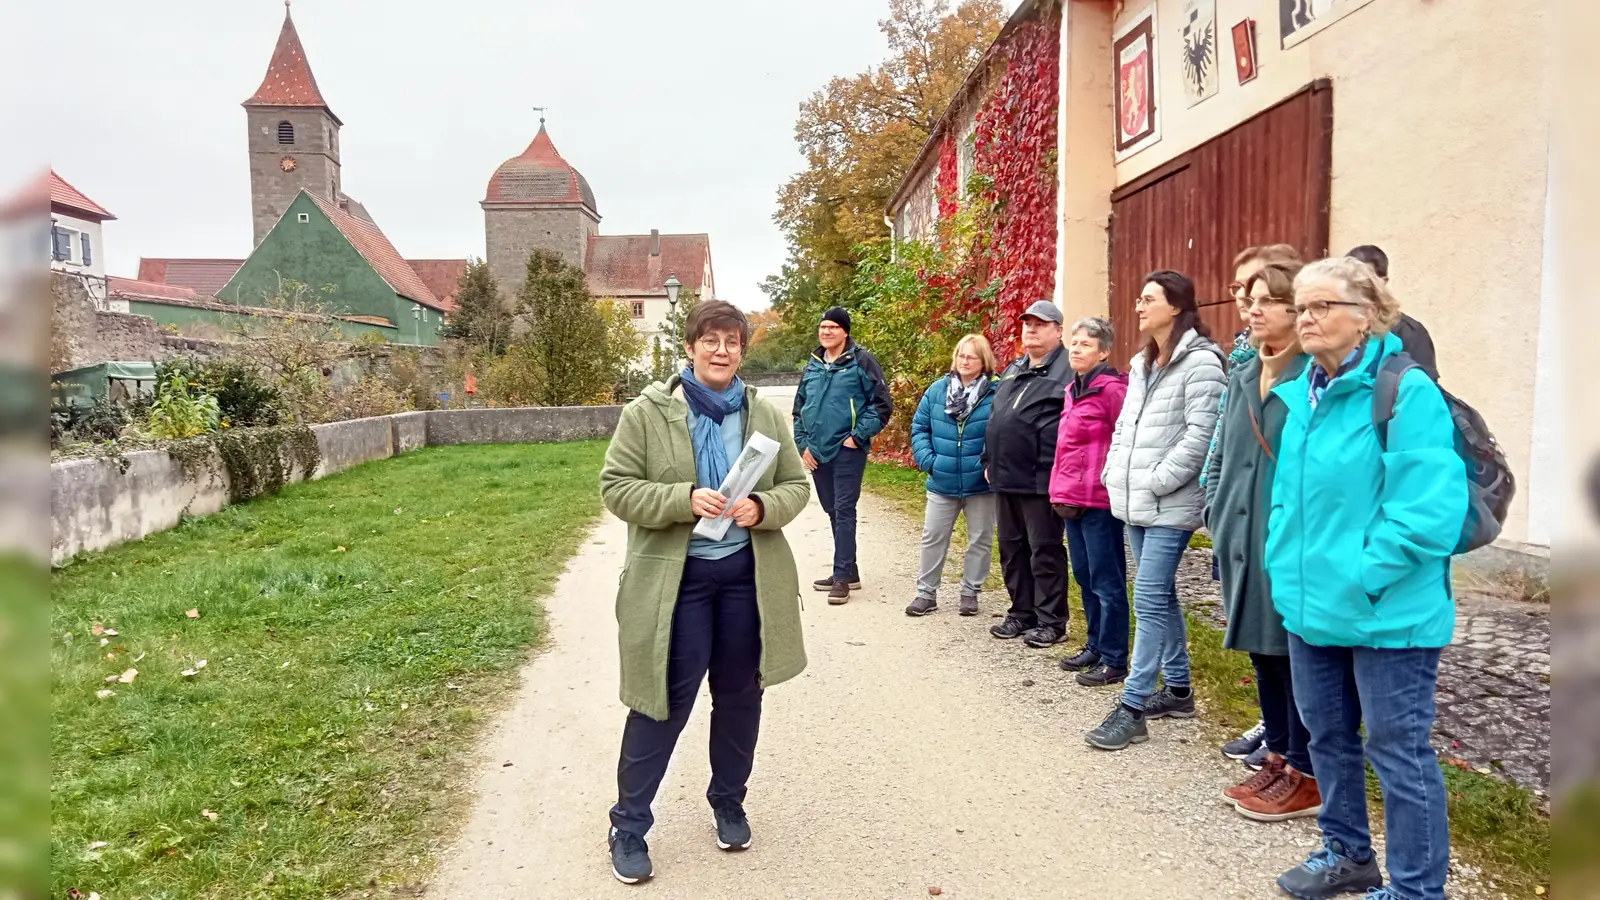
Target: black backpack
(1490,485)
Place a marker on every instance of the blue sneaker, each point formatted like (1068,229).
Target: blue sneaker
(630,857)
(1330,872)
(733,827)
(1382,893)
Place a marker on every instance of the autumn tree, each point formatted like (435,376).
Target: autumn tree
(623,350)
(480,319)
(860,134)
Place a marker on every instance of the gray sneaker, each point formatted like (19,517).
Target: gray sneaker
(1328,873)
(1164,703)
(969,604)
(733,827)
(922,606)
(1119,729)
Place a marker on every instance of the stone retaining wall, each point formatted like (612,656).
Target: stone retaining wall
(95,504)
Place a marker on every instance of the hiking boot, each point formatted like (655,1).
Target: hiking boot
(1164,703)
(1044,636)
(1293,795)
(733,828)
(630,857)
(1084,659)
(1245,744)
(1122,727)
(1257,759)
(969,604)
(1012,627)
(1328,873)
(1102,675)
(1256,783)
(839,594)
(826,584)
(922,606)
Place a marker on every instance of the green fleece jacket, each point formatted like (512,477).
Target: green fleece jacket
(646,481)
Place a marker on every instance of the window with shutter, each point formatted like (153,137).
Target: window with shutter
(83,244)
(60,244)
(285,132)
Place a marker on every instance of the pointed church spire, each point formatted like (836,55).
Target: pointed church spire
(289,81)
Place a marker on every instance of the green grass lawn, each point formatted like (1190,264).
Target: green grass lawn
(1496,826)
(356,632)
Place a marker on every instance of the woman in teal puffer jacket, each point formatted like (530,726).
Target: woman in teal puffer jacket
(1358,552)
(947,439)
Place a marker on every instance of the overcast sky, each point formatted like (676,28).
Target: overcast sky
(679,112)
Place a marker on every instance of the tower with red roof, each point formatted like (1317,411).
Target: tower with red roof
(536,200)
(293,134)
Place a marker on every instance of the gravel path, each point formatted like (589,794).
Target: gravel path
(911,755)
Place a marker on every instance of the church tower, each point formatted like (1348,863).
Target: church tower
(294,135)
(536,200)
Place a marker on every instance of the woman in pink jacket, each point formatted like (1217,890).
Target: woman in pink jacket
(1094,536)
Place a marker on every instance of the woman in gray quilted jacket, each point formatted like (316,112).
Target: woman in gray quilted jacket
(1153,477)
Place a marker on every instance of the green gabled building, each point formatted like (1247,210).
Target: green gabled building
(347,264)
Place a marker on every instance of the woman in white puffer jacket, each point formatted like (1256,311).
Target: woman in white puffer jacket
(1153,477)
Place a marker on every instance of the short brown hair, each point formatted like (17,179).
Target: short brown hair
(1279,278)
(1271,254)
(716,315)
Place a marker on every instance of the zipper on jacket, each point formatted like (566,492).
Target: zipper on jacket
(1020,394)
(852,414)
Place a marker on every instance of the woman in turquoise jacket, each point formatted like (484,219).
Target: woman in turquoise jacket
(1358,552)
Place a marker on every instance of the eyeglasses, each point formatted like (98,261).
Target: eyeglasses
(1237,290)
(1318,309)
(1267,301)
(730,346)
(1146,302)
(968,357)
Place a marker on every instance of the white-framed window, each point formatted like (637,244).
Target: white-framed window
(638,309)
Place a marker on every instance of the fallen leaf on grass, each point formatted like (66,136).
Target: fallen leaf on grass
(1461,764)
(193,613)
(112,632)
(104,693)
(128,676)
(111,656)
(194,670)
(209,814)
(98,845)
(339,549)
(1539,890)
(105,641)
(97,629)
(139,657)
(111,679)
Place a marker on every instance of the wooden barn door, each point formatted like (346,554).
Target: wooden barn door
(1264,182)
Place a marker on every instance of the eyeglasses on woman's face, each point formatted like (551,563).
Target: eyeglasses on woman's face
(968,357)
(713,344)
(1318,309)
(1267,301)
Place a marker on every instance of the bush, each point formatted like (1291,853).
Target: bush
(243,396)
(181,410)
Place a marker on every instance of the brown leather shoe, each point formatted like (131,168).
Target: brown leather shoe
(839,594)
(1256,783)
(1293,795)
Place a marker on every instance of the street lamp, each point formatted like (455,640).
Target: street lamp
(673,286)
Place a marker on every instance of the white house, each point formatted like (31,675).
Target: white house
(75,232)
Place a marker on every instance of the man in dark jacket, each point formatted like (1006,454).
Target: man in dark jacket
(1413,336)
(841,404)
(1019,454)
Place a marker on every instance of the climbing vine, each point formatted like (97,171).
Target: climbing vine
(255,461)
(1016,147)
(947,188)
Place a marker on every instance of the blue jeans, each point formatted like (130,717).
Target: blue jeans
(1338,688)
(1161,643)
(716,628)
(839,488)
(1101,569)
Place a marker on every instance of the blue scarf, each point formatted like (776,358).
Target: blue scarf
(711,463)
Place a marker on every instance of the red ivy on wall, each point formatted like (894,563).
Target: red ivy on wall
(1016,148)
(948,189)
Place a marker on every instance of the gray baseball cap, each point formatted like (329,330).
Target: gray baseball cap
(1045,310)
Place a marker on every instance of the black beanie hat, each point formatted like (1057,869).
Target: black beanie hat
(839,316)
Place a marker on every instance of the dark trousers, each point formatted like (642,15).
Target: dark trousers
(1286,734)
(1032,558)
(716,628)
(1100,565)
(839,488)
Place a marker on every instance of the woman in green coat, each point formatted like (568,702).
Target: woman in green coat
(689,605)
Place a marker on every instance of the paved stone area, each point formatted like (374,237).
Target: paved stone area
(1494,678)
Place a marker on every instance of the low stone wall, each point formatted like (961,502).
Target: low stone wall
(95,504)
(521,426)
(772,379)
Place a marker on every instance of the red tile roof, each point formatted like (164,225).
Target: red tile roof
(72,200)
(442,277)
(132,287)
(289,81)
(203,276)
(371,243)
(620,265)
(539,175)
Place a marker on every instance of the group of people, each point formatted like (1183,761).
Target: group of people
(1332,534)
